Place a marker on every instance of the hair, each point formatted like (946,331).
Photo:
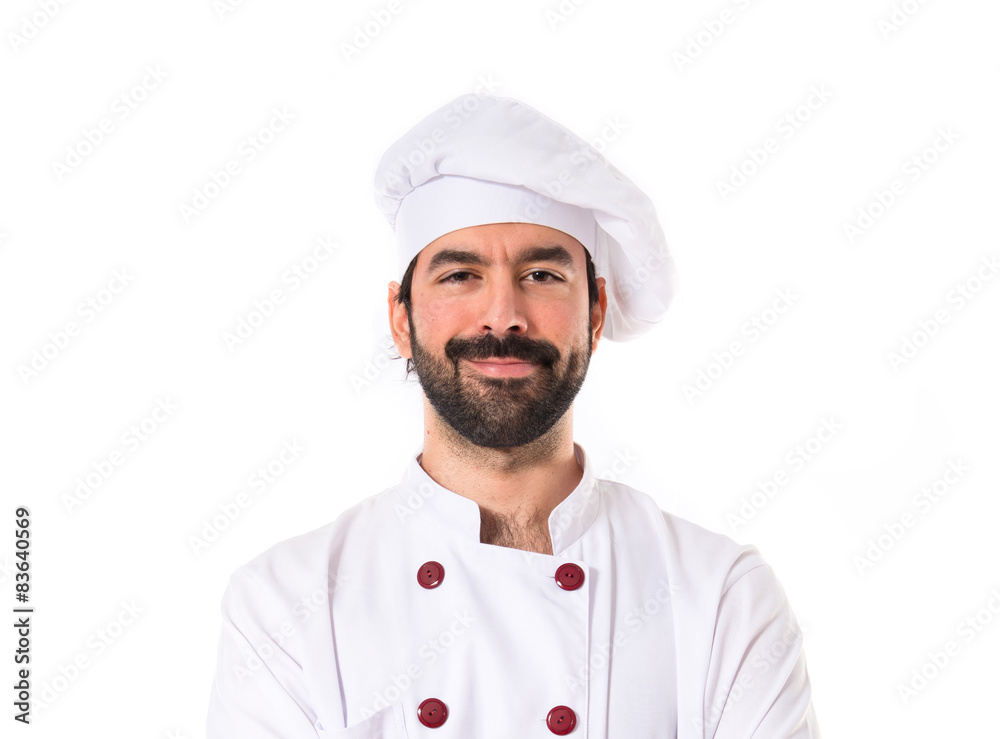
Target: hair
(403,296)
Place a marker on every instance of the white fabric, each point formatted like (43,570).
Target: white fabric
(422,218)
(329,634)
(503,140)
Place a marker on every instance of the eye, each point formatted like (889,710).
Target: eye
(545,274)
(455,274)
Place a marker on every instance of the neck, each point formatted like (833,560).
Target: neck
(516,488)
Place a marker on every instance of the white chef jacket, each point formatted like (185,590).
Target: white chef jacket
(675,632)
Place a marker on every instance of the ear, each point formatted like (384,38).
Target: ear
(399,326)
(600,312)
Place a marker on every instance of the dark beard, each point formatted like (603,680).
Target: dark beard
(504,411)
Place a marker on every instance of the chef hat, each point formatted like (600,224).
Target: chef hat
(484,159)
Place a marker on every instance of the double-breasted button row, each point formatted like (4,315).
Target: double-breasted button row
(568,577)
(433,712)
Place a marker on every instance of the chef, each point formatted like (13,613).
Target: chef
(502,590)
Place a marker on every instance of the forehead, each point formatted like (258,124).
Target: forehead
(503,243)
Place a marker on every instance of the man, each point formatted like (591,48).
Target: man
(501,590)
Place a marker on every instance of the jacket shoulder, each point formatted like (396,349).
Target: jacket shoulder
(693,552)
(297,566)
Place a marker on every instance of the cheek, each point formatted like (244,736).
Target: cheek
(561,321)
(445,319)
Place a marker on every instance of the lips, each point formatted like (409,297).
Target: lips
(506,367)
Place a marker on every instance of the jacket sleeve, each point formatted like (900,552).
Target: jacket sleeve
(758,686)
(258,691)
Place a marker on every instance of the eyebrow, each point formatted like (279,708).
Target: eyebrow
(553,253)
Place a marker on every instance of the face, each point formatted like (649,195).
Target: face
(501,333)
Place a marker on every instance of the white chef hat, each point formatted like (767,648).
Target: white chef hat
(483,159)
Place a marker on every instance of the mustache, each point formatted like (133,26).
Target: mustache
(512,347)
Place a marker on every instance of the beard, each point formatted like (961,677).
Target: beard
(501,412)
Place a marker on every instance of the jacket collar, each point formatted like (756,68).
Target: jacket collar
(420,494)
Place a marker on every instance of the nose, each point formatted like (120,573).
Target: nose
(503,308)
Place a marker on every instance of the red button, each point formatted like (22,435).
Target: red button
(432,713)
(430,574)
(569,576)
(561,720)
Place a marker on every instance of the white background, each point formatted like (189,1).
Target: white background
(681,127)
